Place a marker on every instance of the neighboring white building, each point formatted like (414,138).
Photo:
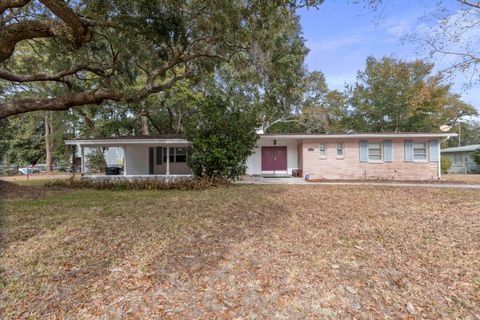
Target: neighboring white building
(461,158)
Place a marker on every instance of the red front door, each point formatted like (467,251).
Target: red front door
(274,158)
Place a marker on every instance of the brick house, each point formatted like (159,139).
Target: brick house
(385,156)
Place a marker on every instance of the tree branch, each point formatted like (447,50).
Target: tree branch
(59,76)
(79,99)
(81,33)
(59,103)
(10,4)
(74,30)
(12,34)
(267,125)
(468,3)
(154,124)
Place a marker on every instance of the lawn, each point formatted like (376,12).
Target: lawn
(287,252)
(462,178)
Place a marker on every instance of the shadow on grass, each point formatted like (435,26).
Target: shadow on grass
(61,249)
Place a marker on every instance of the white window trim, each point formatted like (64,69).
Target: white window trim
(320,150)
(343,150)
(381,152)
(427,154)
(173,154)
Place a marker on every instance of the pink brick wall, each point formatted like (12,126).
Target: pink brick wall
(350,166)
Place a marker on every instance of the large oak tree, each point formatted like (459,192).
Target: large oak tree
(90,51)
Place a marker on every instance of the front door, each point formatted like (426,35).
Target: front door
(274,159)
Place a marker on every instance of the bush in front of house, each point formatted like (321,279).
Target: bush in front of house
(140,184)
(445,164)
(222,136)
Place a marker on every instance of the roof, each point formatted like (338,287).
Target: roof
(153,136)
(471,147)
(363,135)
(180,139)
(130,140)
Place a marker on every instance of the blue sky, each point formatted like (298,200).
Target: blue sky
(341,35)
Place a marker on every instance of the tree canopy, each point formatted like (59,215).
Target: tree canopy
(91,51)
(395,95)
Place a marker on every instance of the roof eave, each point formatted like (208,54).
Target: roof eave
(361,135)
(123,142)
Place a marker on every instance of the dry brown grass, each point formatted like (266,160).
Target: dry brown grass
(38,176)
(462,178)
(288,252)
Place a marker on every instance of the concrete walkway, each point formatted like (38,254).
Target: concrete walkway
(301,181)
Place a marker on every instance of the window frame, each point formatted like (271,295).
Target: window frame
(322,156)
(426,151)
(173,154)
(176,154)
(380,144)
(342,149)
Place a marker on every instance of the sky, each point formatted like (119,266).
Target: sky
(341,35)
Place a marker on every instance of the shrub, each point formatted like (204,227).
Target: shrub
(445,164)
(222,136)
(139,184)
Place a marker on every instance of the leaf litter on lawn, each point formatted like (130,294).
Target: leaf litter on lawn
(248,252)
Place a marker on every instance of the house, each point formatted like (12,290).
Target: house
(461,158)
(385,156)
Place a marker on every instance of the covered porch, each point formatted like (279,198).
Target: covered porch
(157,157)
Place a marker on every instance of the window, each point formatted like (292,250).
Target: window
(323,150)
(175,154)
(180,154)
(171,155)
(159,160)
(339,150)
(374,151)
(419,151)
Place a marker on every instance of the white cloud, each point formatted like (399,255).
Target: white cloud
(338,81)
(335,43)
(400,28)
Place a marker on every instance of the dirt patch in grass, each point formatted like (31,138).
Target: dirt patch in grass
(38,176)
(287,252)
(11,190)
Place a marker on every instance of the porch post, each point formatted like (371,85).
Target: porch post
(168,161)
(82,157)
(124,160)
(74,155)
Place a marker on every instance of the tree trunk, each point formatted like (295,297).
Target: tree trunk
(144,119)
(48,141)
(91,126)
(170,119)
